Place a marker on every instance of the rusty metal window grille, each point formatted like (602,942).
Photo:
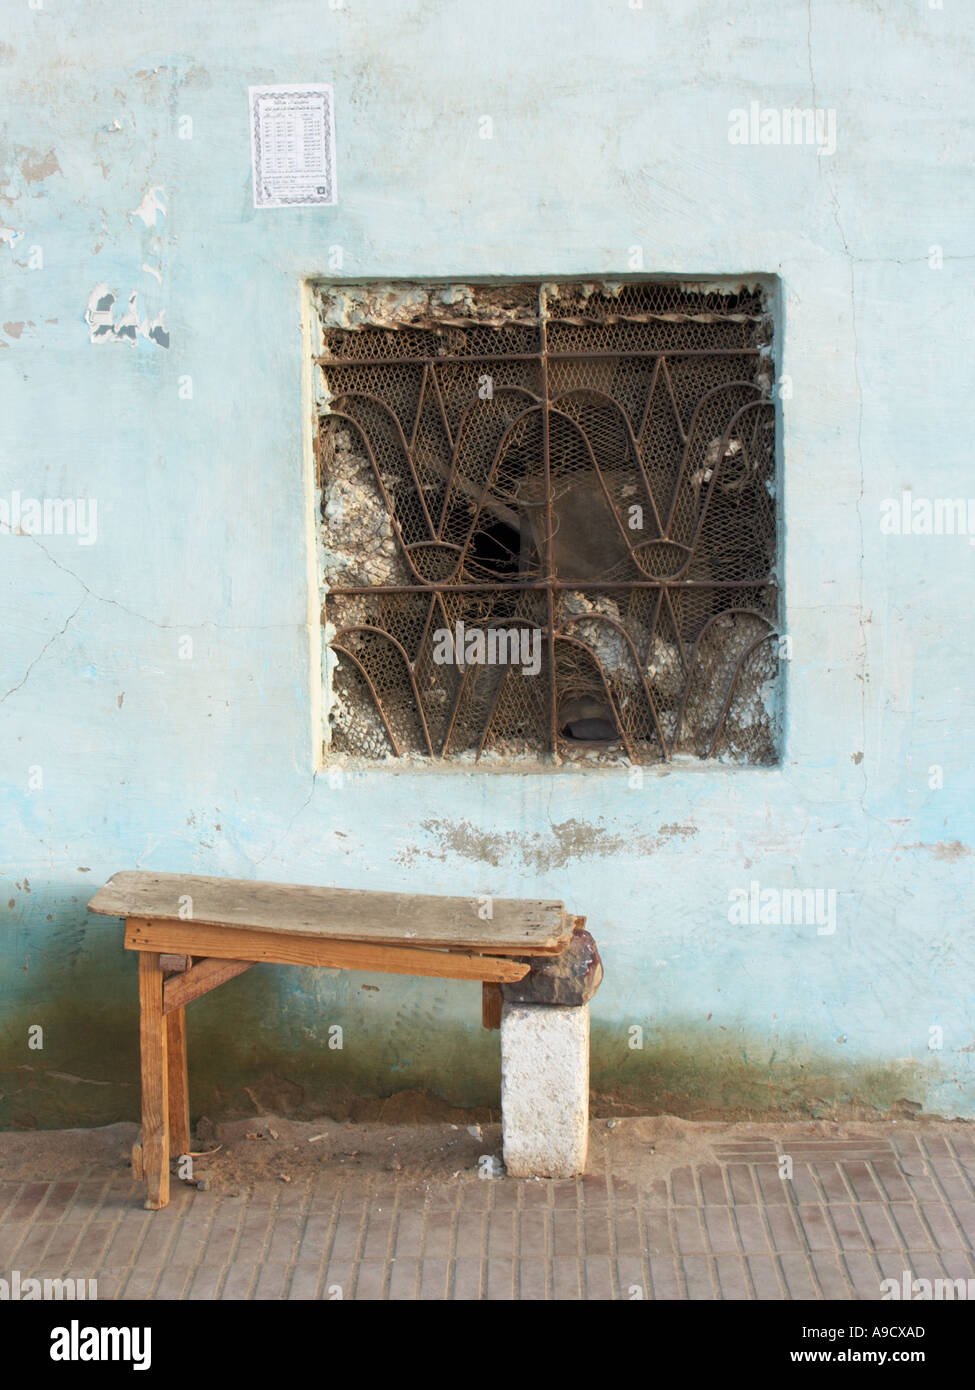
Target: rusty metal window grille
(584,472)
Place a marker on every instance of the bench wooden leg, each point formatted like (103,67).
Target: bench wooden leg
(179,1095)
(155,1082)
(491,1003)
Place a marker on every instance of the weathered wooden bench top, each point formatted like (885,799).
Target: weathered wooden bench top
(516,926)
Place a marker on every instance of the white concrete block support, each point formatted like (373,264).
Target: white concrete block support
(545,1089)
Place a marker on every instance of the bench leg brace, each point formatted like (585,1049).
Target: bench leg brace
(545,1089)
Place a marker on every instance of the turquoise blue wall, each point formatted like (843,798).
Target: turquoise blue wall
(610,131)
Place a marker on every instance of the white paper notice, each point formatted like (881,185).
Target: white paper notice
(293,146)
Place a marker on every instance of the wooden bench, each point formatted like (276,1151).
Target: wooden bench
(193,933)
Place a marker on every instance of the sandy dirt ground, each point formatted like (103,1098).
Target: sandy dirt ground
(238,1154)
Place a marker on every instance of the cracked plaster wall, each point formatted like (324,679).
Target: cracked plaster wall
(184,419)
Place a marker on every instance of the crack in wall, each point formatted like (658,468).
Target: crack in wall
(49,643)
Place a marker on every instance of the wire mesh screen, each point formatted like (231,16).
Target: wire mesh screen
(548,522)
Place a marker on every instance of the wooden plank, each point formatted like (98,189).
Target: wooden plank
(179,1087)
(517,926)
(230,943)
(507,951)
(204,976)
(491,1003)
(155,1083)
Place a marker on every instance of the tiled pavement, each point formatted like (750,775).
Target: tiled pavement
(856,1211)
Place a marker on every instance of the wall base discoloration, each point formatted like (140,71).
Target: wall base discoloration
(431,1072)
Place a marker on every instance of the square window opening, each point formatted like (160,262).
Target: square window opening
(548,522)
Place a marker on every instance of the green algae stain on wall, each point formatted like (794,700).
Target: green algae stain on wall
(249,1055)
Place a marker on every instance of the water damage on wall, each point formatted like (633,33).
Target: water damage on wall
(693,1070)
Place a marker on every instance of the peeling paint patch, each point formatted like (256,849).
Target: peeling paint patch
(157,331)
(948,851)
(14,330)
(98,315)
(152,203)
(682,832)
(9,236)
(104,327)
(151,270)
(38,169)
(128,325)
